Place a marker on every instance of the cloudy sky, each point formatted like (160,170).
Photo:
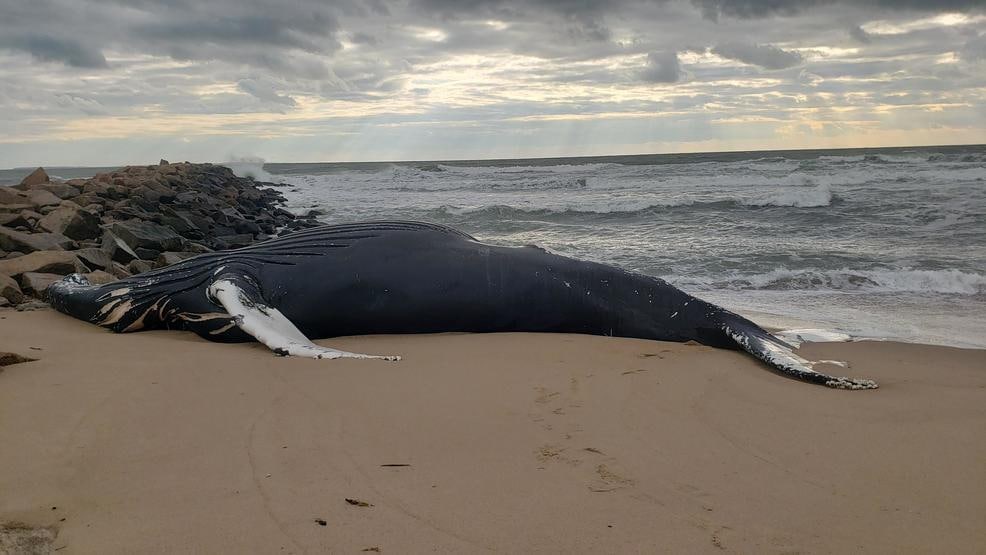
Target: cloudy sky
(102,82)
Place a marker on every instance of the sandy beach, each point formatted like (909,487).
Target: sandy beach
(163,442)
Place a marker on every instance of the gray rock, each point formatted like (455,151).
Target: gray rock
(35,284)
(96,258)
(100,277)
(85,199)
(147,194)
(149,235)
(11,208)
(139,266)
(180,221)
(9,195)
(10,290)
(117,248)
(118,270)
(196,248)
(13,240)
(234,241)
(40,197)
(14,254)
(169,258)
(36,177)
(74,223)
(45,262)
(97,188)
(13,220)
(60,190)
(31,216)
(147,254)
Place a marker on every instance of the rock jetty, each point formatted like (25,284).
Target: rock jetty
(126,222)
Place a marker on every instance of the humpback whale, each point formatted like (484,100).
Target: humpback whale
(411,277)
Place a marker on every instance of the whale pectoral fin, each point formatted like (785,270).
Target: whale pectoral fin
(270,327)
(780,356)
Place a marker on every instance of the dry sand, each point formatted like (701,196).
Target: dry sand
(162,442)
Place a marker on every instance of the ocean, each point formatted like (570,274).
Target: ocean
(875,243)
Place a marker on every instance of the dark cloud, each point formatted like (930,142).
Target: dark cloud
(714,9)
(662,67)
(749,9)
(494,67)
(53,49)
(264,91)
(253,29)
(858,34)
(975,48)
(766,56)
(360,37)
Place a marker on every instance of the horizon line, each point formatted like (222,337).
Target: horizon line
(533,158)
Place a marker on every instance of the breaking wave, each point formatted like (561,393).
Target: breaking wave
(251,166)
(904,280)
(801,197)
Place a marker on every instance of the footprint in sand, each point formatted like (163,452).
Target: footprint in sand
(607,480)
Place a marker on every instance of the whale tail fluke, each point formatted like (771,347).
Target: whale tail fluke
(780,356)
(70,296)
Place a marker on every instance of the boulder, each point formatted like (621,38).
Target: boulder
(60,190)
(87,199)
(149,235)
(97,188)
(147,254)
(9,208)
(95,258)
(35,284)
(169,258)
(163,162)
(139,266)
(46,262)
(118,270)
(12,220)
(13,240)
(9,195)
(234,241)
(40,197)
(31,216)
(36,177)
(148,194)
(117,248)
(74,223)
(196,248)
(14,254)
(180,221)
(99,277)
(10,290)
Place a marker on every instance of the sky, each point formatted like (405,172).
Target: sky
(106,82)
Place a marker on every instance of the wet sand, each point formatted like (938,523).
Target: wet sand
(163,442)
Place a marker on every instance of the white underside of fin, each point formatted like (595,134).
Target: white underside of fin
(272,328)
(784,359)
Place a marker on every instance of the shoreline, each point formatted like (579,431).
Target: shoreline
(513,442)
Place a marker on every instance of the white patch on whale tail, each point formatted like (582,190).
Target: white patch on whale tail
(272,328)
(782,358)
